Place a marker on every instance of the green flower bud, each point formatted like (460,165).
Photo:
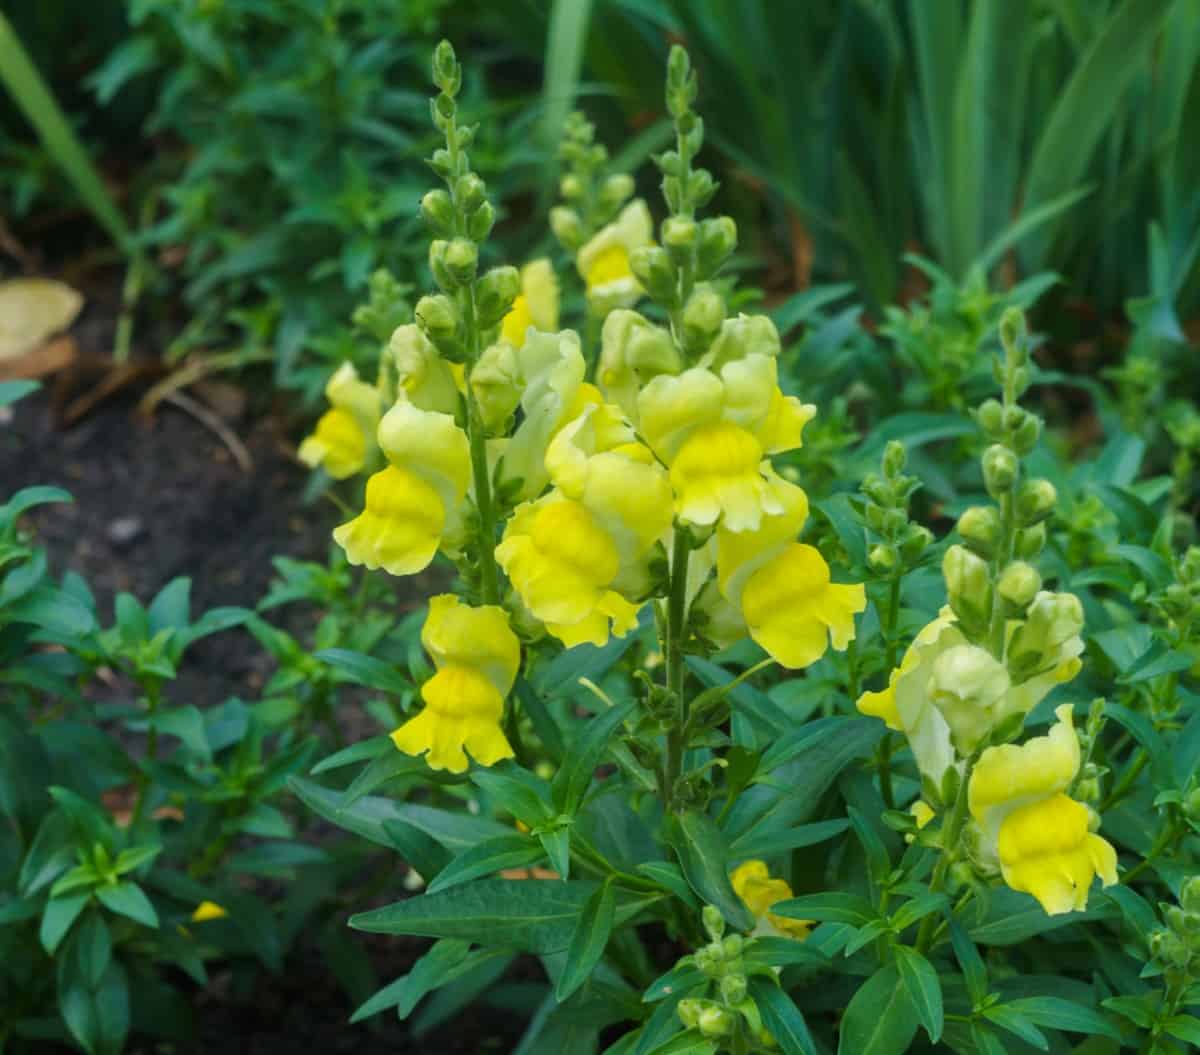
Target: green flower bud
(979,527)
(968,684)
(718,238)
(1189,894)
(470,192)
(461,260)
(1035,501)
(440,162)
(733,988)
(894,521)
(894,458)
(1031,541)
(437,264)
(917,540)
(716,1021)
(990,416)
(1026,437)
(701,187)
(679,233)
(689,1010)
(651,265)
(1019,584)
(703,316)
(567,227)
(875,515)
(968,585)
(1000,469)
(570,187)
(479,223)
(616,190)
(437,317)
(714,922)
(733,945)
(447,74)
(882,558)
(1012,327)
(742,336)
(495,293)
(437,210)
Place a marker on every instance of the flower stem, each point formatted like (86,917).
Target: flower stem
(676,633)
(951,838)
(488,575)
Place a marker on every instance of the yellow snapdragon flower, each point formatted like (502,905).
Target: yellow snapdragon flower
(344,438)
(477,656)
(578,556)
(422,375)
(536,305)
(603,261)
(417,499)
(1040,837)
(753,883)
(714,431)
(633,351)
(781,587)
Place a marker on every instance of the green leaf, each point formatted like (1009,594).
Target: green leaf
(363,751)
(704,858)
(1055,1013)
(447,959)
(828,907)
(689,1043)
(588,942)
(1184,1027)
(1014,917)
(534,915)
(584,755)
(880,1018)
(366,670)
(924,989)
(878,861)
(785,952)
(521,793)
(781,1017)
(973,969)
(60,913)
(676,982)
(669,877)
(566,37)
(98,1017)
(557,844)
(1016,1023)
(128,899)
(91,948)
(505,851)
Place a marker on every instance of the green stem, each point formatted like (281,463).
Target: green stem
(1140,760)
(1164,839)
(153,698)
(951,838)
(488,575)
(996,629)
(676,632)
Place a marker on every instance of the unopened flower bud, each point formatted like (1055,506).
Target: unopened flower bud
(469,191)
(437,264)
(742,336)
(1026,437)
(461,259)
(894,458)
(651,265)
(679,233)
(437,210)
(733,988)
(495,293)
(718,238)
(714,922)
(968,585)
(715,1021)
(702,317)
(701,187)
(446,71)
(967,684)
(437,317)
(917,540)
(990,416)
(1019,583)
(894,521)
(440,162)
(479,223)
(979,527)
(882,558)
(570,187)
(733,945)
(1012,327)
(689,1010)
(615,190)
(1000,468)
(567,227)
(1031,541)
(1035,501)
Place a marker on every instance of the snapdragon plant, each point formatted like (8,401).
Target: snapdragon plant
(639,754)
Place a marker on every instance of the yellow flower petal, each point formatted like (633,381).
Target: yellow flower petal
(337,445)
(457,633)
(716,475)
(882,704)
(429,444)
(208,910)
(741,553)
(794,611)
(603,261)
(400,525)
(753,883)
(1046,850)
(424,377)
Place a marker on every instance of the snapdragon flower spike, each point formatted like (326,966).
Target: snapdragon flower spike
(477,657)
(344,440)
(1039,836)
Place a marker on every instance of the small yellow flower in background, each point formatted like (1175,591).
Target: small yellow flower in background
(714,432)
(922,813)
(208,910)
(416,500)
(477,656)
(578,556)
(905,705)
(1040,838)
(536,305)
(752,882)
(603,261)
(344,438)
(422,375)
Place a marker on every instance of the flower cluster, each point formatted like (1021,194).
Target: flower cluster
(972,675)
(569,504)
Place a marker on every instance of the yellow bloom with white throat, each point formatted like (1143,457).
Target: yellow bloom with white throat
(536,305)
(715,431)
(477,656)
(1040,838)
(578,556)
(344,440)
(755,885)
(603,261)
(414,502)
